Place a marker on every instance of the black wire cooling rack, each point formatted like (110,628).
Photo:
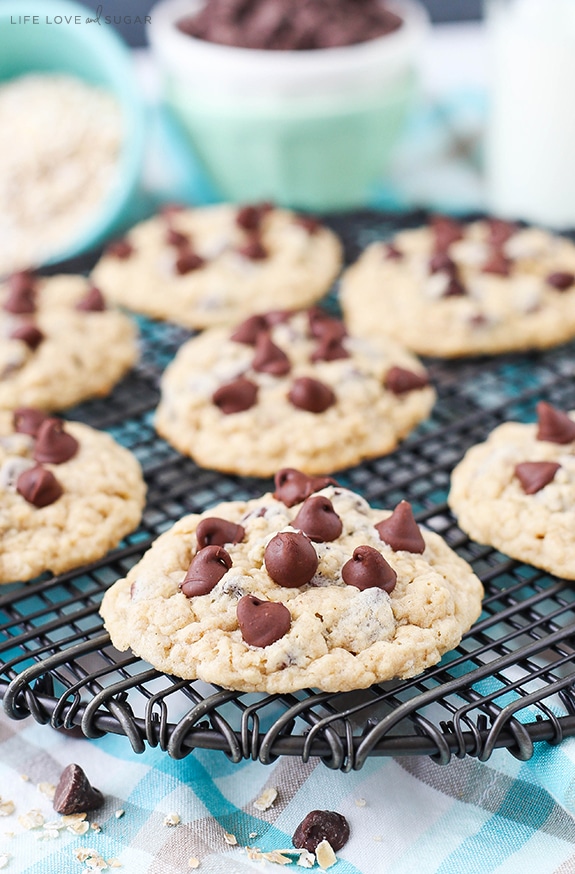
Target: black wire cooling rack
(508,685)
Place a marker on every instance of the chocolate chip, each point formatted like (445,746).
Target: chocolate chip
(92,302)
(311,395)
(254,250)
(249,330)
(290,559)
(497,263)
(39,486)
(236,396)
(262,622)
(29,334)
(214,531)
(318,519)
(21,298)
(206,569)
(53,444)
(121,249)
(445,232)
(176,238)
(277,317)
(534,475)
(308,222)
(321,825)
(455,288)
(392,253)
(321,324)
(401,531)
(249,217)
(561,280)
(27,420)
(500,231)
(367,569)
(269,358)
(329,348)
(187,261)
(292,486)
(554,426)
(441,261)
(74,794)
(400,381)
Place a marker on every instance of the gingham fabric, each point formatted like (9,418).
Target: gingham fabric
(406,814)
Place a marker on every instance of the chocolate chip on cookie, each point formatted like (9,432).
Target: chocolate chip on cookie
(368,569)
(53,444)
(329,348)
(497,263)
(440,261)
(561,280)
(534,475)
(318,519)
(322,324)
(445,232)
(318,826)
(400,381)
(311,395)
(401,531)
(292,486)
(269,358)
(290,559)
(21,298)
(188,261)
(254,250)
(499,231)
(249,217)
(176,238)
(262,622)
(27,420)
(39,486)
(392,253)
(214,531)
(29,334)
(206,569)
(249,330)
(554,426)
(121,249)
(92,302)
(236,396)
(454,288)
(308,222)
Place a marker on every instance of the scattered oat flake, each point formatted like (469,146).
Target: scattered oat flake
(78,828)
(7,808)
(32,819)
(91,858)
(96,827)
(360,802)
(172,819)
(277,857)
(119,813)
(24,777)
(47,789)
(193,862)
(4,859)
(114,863)
(230,839)
(48,834)
(253,834)
(266,799)
(325,855)
(306,859)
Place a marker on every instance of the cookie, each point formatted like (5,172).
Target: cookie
(59,344)
(452,289)
(305,587)
(68,494)
(289,389)
(516,491)
(216,265)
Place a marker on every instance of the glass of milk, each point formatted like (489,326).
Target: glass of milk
(530,138)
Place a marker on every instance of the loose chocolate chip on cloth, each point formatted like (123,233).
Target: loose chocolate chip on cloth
(227,272)
(516,491)
(68,494)
(59,344)
(454,289)
(260,384)
(74,792)
(282,607)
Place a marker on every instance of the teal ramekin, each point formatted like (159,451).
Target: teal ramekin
(96,54)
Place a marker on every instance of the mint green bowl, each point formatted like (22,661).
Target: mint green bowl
(95,54)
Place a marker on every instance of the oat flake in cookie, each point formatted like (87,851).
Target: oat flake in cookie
(68,494)
(217,264)
(59,342)
(516,491)
(451,289)
(251,629)
(290,389)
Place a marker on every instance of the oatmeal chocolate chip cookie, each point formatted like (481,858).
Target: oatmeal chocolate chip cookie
(452,289)
(59,344)
(216,265)
(68,494)
(516,491)
(290,388)
(321,592)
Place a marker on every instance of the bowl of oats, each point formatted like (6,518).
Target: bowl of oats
(71,133)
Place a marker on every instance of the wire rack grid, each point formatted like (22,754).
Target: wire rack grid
(508,685)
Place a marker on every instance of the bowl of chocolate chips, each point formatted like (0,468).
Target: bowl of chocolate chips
(296,101)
